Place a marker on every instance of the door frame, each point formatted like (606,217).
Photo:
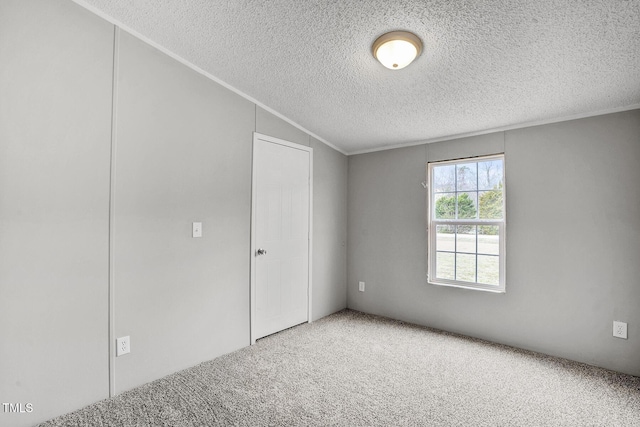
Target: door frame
(254,195)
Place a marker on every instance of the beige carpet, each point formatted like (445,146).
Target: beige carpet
(353,369)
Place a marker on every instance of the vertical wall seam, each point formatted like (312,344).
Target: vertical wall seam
(504,141)
(112,181)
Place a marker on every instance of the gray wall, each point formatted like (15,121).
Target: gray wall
(268,124)
(181,153)
(329,230)
(573,239)
(55,126)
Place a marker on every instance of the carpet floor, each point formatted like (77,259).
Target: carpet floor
(354,369)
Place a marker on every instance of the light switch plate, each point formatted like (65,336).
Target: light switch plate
(197,229)
(361,286)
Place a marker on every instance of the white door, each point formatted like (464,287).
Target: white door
(280,238)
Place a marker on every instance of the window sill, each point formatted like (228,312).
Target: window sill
(471,288)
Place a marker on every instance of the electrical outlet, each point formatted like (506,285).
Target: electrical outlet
(619,329)
(123,346)
(361,286)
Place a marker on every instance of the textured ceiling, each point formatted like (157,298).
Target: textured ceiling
(486,64)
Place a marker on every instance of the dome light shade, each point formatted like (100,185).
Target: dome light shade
(397,49)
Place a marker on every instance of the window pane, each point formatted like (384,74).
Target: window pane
(489,270)
(466,213)
(467,203)
(491,204)
(444,179)
(445,206)
(445,265)
(466,177)
(445,238)
(488,240)
(466,239)
(489,174)
(466,267)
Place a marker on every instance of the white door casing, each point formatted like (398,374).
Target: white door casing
(281,215)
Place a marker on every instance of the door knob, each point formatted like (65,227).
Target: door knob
(261,252)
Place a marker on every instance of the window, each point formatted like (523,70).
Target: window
(466,227)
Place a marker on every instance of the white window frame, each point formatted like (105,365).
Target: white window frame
(432,223)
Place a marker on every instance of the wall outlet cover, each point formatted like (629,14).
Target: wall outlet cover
(619,329)
(123,346)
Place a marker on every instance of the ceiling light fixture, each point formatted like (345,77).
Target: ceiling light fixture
(397,49)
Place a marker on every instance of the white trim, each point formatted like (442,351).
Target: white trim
(257,136)
(112,199)
(310,287)
(498,129)
(252,245)
(199,70)
(279,141)
(502,225)
(471,288)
